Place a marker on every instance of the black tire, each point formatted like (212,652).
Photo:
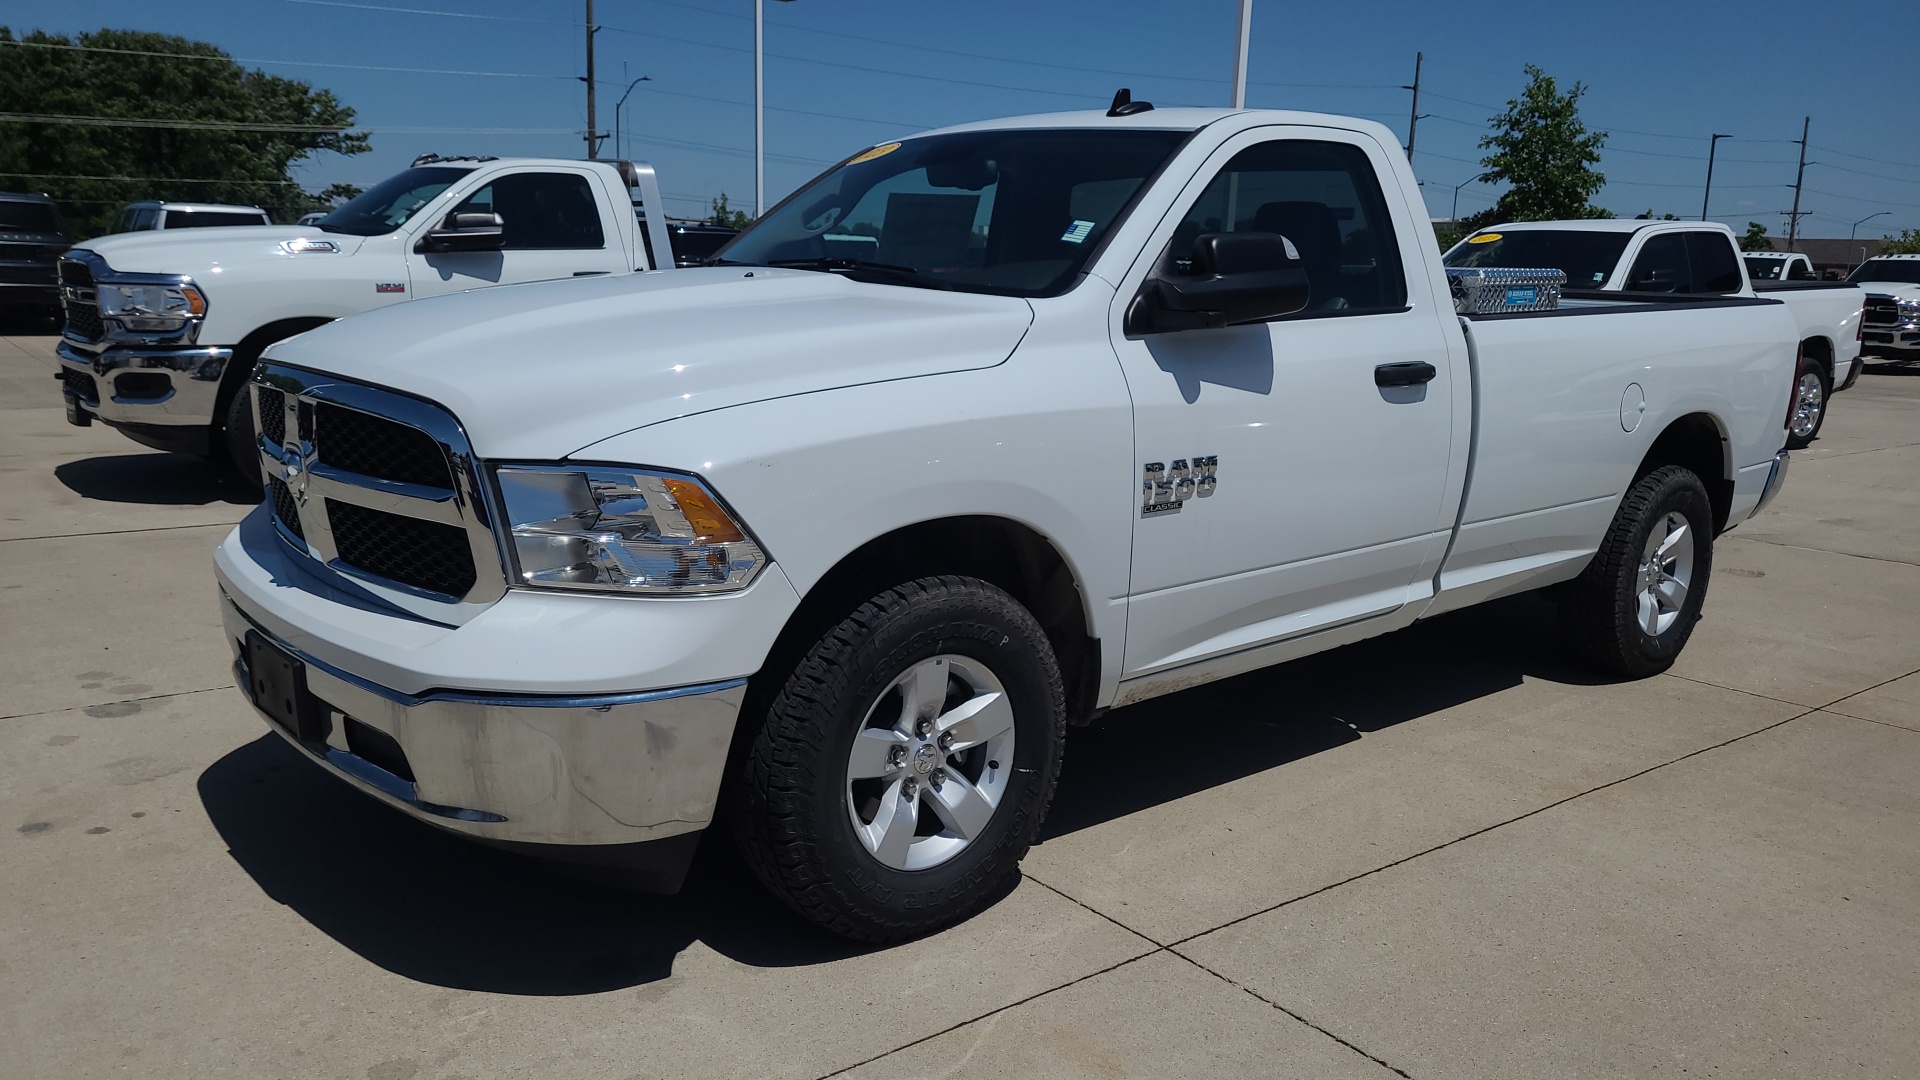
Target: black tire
(1813,389)
(234,440)
(788,800)
(1600,609)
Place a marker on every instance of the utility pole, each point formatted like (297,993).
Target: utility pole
(1240,55)
(593,130)
(1711,147)
(1793,219)
(1413,118)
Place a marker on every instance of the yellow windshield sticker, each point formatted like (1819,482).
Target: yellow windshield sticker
(879,151)
(1485,238)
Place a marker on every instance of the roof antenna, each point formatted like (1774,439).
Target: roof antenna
(1124,105)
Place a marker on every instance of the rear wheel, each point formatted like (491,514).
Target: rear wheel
(236,440)
(1812,387)
(906,764)
(1634,607)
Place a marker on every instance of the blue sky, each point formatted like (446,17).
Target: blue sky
(843,74)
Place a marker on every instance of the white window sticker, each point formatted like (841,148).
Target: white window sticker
(1077,231)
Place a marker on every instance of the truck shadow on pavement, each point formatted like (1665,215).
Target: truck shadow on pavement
(446,911)
(153,480)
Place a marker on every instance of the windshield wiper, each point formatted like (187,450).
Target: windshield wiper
(862,266)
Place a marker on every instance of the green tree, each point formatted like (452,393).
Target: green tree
(728,216)
(1756,238)
(1544,153)
(1907,243)
(209,130)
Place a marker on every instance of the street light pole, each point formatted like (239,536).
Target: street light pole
(1850,231)
(1711,147)
(616,114)
(759,118)
(1240,54)
(1456,194)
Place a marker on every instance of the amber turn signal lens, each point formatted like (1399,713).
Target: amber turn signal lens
(710,523)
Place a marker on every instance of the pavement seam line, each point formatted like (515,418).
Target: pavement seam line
(1076,900)
(115,701)
(1737,690)
(120,532)
(991,1013)
(1867,689)
(1484,830)
(1869,720)
(1258,996)
(1825,551)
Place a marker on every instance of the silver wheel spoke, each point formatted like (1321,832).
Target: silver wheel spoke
(925,691)
(891,832)
(1672,540)
(961,807)
(976,720)
(1672,593)
(1649,612)
(873,753)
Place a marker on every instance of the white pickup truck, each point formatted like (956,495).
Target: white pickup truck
(1777,266)
(163,326)
(1105,406)
(1892,323)
(1688,257)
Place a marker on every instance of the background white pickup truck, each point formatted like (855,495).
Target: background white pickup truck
(163,326)
(1688,257)
(976,436)
(1891,329)
(1777,266)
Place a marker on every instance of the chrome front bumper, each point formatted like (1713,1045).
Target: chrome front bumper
(607,769)
(191,377)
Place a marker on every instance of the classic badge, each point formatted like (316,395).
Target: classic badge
(1164,489)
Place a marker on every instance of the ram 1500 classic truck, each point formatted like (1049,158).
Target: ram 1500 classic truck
(1891,329)
(1696,257)
(1777,266)
(163,326)
(974,437)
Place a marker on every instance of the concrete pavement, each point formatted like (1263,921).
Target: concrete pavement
(1444,853)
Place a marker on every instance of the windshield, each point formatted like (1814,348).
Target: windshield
(34,217)
(1011,212)
(1586,257)
(1761,269)
(388,204)
(1906,271)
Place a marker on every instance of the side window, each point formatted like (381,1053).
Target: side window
(542,211)
(1324,198)
(1661,266)
(1716,269)
(1802,271)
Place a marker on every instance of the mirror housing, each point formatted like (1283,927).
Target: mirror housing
(1237,278)
(465,232)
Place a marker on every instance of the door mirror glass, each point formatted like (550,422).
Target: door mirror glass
(1235,278)
(465,231)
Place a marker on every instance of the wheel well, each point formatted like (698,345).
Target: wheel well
(997,550)
(1820,349)
(249,350)
(1696,442)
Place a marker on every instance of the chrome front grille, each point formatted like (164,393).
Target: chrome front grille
(379,487)
(80,302)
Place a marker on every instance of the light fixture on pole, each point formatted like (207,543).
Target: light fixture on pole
(1456,193)
(1712,145)
(616,114)
(1850,232)
(759,121)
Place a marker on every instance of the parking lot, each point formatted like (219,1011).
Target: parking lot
(1444,853)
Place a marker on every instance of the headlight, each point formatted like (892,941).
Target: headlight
(153,309)
(1909,309)
(611,529)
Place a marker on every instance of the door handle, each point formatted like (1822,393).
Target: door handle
(1409,374)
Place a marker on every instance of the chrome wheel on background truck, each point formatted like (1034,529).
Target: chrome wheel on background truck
(1811,390)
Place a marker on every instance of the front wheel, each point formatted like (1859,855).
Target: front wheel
(1632,609)
(905,766)
(1812,387)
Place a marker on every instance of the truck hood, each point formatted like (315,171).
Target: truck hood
(201,252)
(1904,289)
(540,371)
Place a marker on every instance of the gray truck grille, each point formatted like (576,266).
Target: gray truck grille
(76,295)
(378,486)
(1881,311)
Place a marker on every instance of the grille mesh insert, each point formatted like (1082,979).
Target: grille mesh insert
(1881,311)
(372,446)
(285,508)
(273,414)
(423,554)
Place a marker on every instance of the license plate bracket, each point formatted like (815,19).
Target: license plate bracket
(277,683)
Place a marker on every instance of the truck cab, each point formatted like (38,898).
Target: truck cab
(163,324)
(1892,327)
(153,214)
(1778,266)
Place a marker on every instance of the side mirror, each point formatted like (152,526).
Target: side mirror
(465,232)
(1236,278)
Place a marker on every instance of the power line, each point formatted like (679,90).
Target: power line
(120,121)
(144,179)
(427,11)
(223,58)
